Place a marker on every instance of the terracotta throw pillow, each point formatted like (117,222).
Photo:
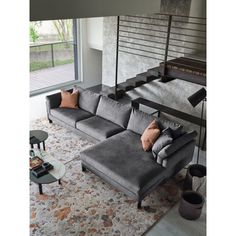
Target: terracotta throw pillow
(150,135)
(69,100)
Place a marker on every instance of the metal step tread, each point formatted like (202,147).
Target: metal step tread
(154,71)
(136,81)
(125,86)
(147,76)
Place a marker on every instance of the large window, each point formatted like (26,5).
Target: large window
(54,57)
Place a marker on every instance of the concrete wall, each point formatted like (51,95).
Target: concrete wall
(91,72)
(130,65)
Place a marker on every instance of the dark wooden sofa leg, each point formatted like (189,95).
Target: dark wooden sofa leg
(83,168)
(139,204)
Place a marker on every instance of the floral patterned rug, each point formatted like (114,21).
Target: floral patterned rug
(83,204)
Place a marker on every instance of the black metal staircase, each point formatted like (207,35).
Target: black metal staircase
(159,37)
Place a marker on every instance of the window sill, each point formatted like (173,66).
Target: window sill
(66,85)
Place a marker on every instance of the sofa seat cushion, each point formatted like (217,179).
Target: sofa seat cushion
(70,116)
(122,159)
(98,127)
(114,111)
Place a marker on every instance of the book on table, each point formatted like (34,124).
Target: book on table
(35,162)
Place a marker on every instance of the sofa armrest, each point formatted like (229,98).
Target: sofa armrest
(180,158)
(52,101)
(175,146)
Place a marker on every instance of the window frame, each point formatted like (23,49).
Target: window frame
(78,63)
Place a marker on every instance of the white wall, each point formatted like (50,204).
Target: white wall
(95,32)
(91,70)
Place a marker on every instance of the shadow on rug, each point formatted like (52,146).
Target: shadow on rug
(83,204)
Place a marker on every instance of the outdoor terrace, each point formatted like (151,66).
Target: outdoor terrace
(51,76)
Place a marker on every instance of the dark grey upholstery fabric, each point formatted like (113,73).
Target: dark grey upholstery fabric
(88,101)
(98,127)
(69,115)
(176,129)
(175,145)
(139,121)
(113,111)
(53,101)
(163,140)
(180,158)
(122,159)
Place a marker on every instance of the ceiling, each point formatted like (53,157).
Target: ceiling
(69,9)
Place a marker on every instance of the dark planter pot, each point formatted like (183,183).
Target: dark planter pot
(193,170)
(191,204)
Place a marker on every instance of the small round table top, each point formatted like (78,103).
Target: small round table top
(37,136)
(53,175)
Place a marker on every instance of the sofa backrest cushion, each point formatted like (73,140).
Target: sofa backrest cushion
(88,101)
(175,145)
(176,129)
(113,111)
(139,121)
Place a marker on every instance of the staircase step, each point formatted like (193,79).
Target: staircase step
(136,82)
(110,92)
(147,77)
(165,79)
(125,86)
(154,71)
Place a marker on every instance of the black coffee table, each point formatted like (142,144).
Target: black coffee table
(37,137)
(53,175)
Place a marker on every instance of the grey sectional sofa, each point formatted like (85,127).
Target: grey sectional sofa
(118,157)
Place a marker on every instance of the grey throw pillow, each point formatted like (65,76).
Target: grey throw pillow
(176,129)
(164,139)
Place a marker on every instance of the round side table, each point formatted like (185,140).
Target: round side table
(53,175)
(37,137)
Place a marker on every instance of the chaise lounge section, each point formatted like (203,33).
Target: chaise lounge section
(118,157)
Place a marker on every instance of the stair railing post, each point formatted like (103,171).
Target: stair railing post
(117,54)
(167,45)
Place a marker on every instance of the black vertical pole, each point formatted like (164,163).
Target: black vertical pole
(167,45)
(117,54)
(75,47)
(200,134)
(52,54)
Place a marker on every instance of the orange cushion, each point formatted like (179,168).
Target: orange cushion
(69,100)
(150,135)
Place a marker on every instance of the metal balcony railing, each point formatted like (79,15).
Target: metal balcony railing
(49,49)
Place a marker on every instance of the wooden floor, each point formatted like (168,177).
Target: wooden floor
(51,76)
